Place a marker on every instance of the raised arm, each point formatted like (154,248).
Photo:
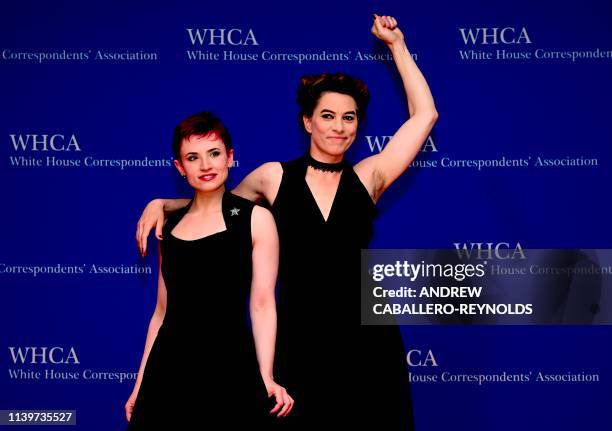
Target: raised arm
(378,172)
(156,321)
(263,303)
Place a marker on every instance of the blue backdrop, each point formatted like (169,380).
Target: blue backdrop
(92,90)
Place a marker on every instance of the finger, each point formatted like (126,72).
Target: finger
(292,401)
(158,228)
(144,230)
(276,407)
(278,404)
(283,411)
(387,21)
(378,24)
(288,403)
(284,401)
(393,22)
(142,244)
(139,236)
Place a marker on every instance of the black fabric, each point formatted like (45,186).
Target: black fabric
(339,372)
(202,368)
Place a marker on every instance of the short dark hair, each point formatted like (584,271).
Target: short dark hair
(313,86)
(202,124)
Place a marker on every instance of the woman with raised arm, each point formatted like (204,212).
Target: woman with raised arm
(340,373)
(203,361)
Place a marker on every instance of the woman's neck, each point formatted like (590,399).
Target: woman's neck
(324,157)
(207,202)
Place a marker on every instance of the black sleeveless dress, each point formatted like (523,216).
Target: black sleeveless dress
(203,367)
(338,372)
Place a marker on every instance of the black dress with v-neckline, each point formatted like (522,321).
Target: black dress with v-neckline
(316,205)
(339,372)
(202,368)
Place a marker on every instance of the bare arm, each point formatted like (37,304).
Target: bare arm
(263,303)
(154,325)
(378,172)
(262,184)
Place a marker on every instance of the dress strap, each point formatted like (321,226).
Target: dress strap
(293,173)
(294,169)
(237,213)
(359,192)
(174,218)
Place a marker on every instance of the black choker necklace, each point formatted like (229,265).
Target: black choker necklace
(325,167)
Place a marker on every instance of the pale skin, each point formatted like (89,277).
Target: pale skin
(204,162)
(332,128)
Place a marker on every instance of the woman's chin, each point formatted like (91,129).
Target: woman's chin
(208,188)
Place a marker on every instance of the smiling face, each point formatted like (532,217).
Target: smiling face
(205,161)
(332,127)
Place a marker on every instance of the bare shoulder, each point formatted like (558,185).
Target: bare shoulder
(365,166)
(262,223)
(271,175)
(270,171)
(261,215)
